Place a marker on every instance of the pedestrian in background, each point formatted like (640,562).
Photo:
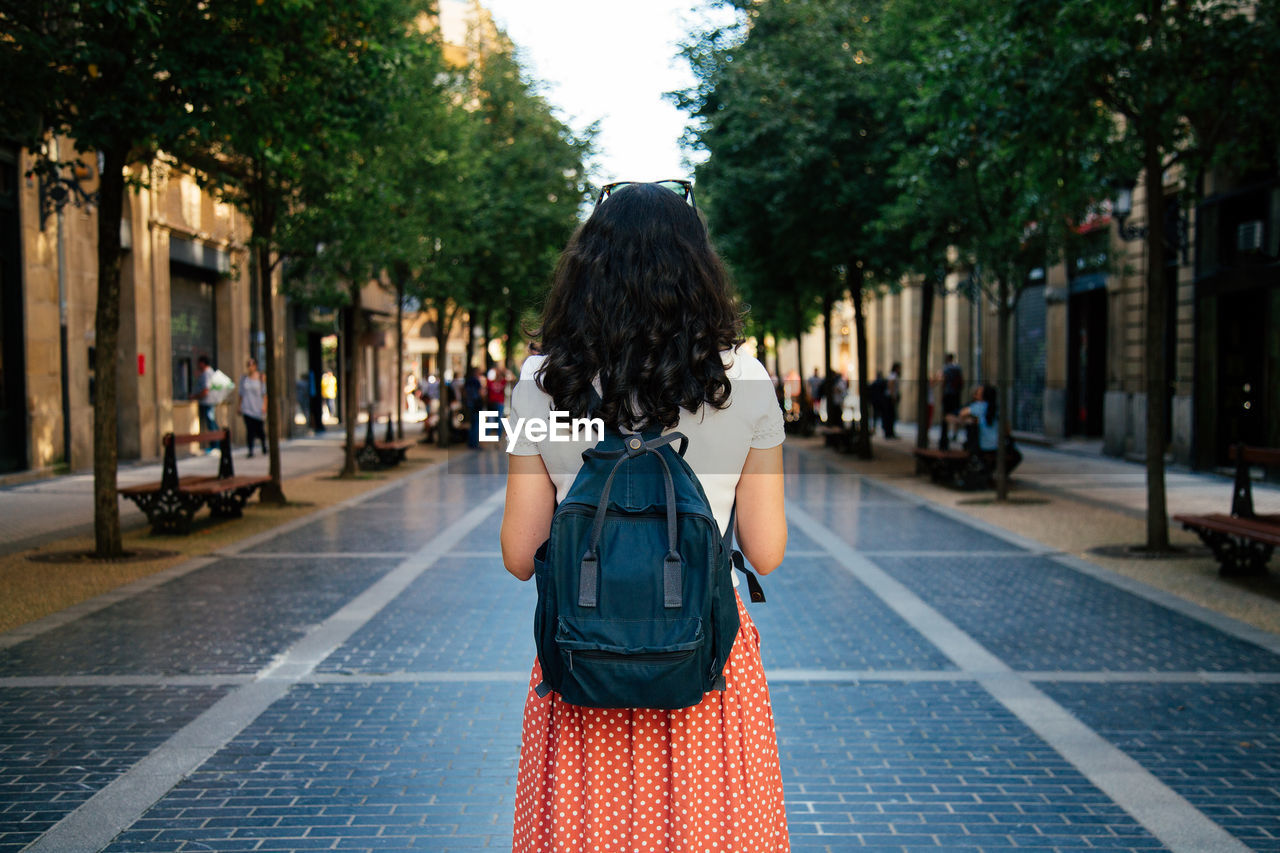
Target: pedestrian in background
(472,396)
(952,382)
(329,393)
(253,403)
(495,391)
(893,395)
(202,393)
(641,272)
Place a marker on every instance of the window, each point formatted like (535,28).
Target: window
(193,324)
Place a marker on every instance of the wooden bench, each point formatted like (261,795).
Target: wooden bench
(382,454)
(1243,541)
(967,470)
(844,438)
(171,503)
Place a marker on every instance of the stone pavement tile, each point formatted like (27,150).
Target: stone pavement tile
(1216,745)
(1038,614)
(359,766)
(937,765)
(231,616)
(462,615)
(818,616)
(359,530)
(901,528)
(59,745)
(818,484)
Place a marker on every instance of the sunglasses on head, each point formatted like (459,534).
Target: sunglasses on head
(684,189)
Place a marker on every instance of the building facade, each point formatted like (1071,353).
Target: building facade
(185,292)
(1079,334)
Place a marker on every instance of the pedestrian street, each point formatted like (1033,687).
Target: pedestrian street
(355,681)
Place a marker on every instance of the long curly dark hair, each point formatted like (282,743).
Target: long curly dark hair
(641,300)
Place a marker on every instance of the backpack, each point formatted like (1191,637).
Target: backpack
(636,607)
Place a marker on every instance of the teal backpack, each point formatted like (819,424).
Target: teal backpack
(636,607)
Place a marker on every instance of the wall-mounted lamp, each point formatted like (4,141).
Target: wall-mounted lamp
(1121,208)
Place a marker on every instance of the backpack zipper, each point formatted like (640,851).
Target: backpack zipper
(617,657)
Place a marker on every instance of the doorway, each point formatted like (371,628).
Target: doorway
(13,390)
(1086,362)
(1243,401)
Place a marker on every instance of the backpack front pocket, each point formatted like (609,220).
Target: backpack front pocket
(641,663)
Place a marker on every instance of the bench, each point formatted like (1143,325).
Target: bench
(1243,541)
(967,470)
(844,439)
(171,503)
(382,454)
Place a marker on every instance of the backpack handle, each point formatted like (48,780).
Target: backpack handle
(672,565)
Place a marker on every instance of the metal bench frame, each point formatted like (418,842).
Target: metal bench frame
(171,503)
(1243,541)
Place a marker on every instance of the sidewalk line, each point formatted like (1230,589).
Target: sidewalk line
(70,614)
(436,677)
(1162,811)
(314,555)
(1225,624)
(93,824)
(779,675)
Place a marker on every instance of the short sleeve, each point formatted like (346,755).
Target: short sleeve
(764,413)
(527,400)
(767,427)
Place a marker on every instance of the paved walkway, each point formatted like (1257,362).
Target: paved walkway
(354,681)
(45,510)
(1080,471)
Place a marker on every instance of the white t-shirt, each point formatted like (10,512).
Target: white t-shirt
(719,439)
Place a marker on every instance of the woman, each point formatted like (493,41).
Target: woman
(982,411)
(253,400)
(641,314)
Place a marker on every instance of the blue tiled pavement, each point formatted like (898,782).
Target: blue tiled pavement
(60,745)
(397,722)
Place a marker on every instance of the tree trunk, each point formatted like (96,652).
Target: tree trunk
(106,504)
(351,379)
(444,424)
(922,367)
(469,347)
(512,334)
(399,383)
(777,355)
(828,305)
(272,492)
(862,446)
(1004,372)
(485,325)
(1157,309)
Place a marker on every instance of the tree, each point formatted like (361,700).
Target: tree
(789,104)
(991,142)
(125,79)
(1193,86)
(313,74)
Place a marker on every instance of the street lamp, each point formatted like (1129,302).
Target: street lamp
(1121,208)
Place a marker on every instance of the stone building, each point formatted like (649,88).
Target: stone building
(185,291)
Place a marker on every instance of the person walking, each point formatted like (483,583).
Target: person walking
(893,395)
(952,382)
(204,395)
(641,274)
(329,394)
(472,398)
(253,403)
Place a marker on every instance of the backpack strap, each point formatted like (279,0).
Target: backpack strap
(754,590)
(672,565)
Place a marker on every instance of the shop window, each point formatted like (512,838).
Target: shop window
(193,325)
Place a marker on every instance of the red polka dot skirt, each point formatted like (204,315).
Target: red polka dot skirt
(704,778)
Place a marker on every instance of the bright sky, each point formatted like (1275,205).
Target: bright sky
(611,60)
